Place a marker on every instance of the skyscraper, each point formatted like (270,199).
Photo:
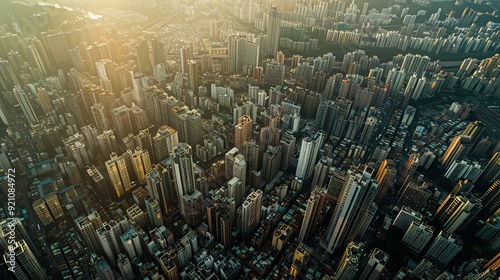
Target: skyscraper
(24,263)
(273,31)
(352,209)
(444,248)
(141,164)
(313,213)
(118,174)
(242,132)
(251,211)
(183,171)
(122,122)
(271,163)
(165,140)
(374,268)
(456,212)
(143,60)
(410,167)
(25,105)
(417,236)
(308,154)
(300,258)
(88,228)
(385,178)
(350,262)
(457,150)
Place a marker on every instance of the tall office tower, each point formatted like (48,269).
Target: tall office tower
(474,130)
(405,217)
(25,105)
(183,170)
(481,148)
(236,191)
(143,60)
(54,206)
(100,118)
(138,118)
(337,179)
(491,199)
(385,178)
(220,215)
(273,31)
(193,77)
(271,163)
(42,211)
(313,214)
(375,266)
(250,214)
(242,132)
(121,119)
(321,171)
(352,210)
(154,211)
(456,212)
(158,51)
(140,84)
(141,164)
(457,150)
(8,77)
(413,194)
(191,127)
(350,262)
(14,227)
(417,236)
(287,148)
(88,228)
(186,54)
(410,167)
(300,258)
(492,170)
(308,154)
(240,169)
(159,188)
(24,263)
(165,140)
(229,163)
(98,183)
(444,248)
(252,156)
(118,174)
(269,136)
(463,187)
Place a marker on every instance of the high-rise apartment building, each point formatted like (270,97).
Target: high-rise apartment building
(313,213)
(118,174)
(251,213)
(352,210)
(183,174)
(141,164)
(26,264)
(165,140)
(242,132)
(308,153)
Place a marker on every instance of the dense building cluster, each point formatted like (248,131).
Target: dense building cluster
(214,155)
